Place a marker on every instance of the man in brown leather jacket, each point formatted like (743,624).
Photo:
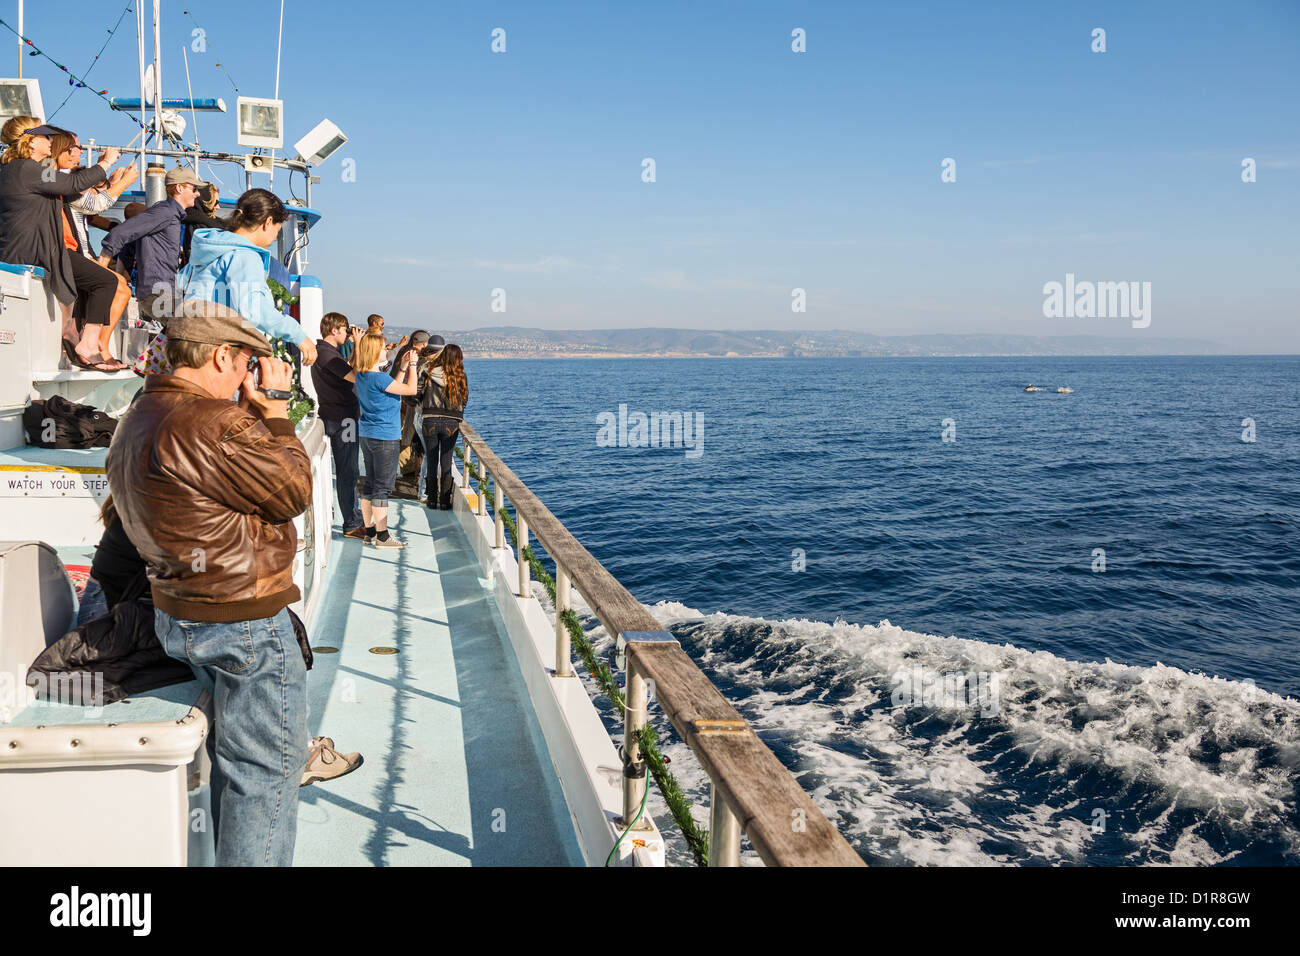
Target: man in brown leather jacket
(207,491)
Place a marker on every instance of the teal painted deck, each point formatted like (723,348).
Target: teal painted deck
(455,770)
(25,456)
(163,704)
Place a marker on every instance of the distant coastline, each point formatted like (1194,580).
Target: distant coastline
(662,355)
(661,343)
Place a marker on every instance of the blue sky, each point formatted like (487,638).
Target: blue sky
(774,170)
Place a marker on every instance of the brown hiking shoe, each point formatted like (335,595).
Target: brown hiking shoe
(326,763)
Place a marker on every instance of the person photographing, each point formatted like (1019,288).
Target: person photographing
(207,490)
(230,265)
(34,230)
(380,398)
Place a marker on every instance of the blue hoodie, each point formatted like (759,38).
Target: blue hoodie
(225,267)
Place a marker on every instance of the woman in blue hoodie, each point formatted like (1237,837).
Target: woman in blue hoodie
(230,265)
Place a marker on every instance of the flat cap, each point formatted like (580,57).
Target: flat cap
(212,323)
(179,176)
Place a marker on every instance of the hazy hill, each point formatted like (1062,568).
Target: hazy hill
(507,341)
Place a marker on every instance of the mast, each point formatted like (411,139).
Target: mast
(139,40)
(157,73)
(279,45)
(20,39)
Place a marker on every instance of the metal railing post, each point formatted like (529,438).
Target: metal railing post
(521,524)
(634,769)
(562,663)
(724,831)
(497,505)
(480,490)
(469,464)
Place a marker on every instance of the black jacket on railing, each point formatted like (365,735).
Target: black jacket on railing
(31,227)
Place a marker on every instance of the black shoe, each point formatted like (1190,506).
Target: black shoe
(431,504)
(444,507)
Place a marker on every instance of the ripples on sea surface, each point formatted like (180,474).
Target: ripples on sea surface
(1144,714)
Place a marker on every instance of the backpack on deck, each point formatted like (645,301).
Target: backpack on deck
(55,422)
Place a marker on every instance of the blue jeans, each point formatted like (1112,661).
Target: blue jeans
(93,603)
(439,448)
(347,469)
(380,455)
(258,742)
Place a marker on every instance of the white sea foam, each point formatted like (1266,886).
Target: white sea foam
(1173,764)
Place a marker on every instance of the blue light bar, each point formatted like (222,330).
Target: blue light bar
(216,105)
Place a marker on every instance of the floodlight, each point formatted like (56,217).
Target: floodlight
(261,122)
(320,143)
(21,98)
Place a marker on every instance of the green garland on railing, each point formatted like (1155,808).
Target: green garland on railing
(678,805)
(301,405)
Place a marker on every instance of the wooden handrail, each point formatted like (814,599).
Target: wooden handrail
(785,827)
(618,610)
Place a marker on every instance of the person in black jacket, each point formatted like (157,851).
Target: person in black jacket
(444,393)
(202,215)
(117,571)
(33,231)
(410,456)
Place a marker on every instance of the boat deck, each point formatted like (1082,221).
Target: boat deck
(455,773)
(26,457)
(456,770)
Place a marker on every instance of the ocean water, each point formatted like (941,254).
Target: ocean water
(1070,634)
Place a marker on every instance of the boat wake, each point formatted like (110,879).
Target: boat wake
(940,750)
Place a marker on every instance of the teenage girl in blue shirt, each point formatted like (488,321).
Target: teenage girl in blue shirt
(380,431)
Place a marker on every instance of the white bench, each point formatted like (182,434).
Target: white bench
(85,785)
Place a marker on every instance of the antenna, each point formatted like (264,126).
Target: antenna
(20,39)
(194,117)
(279,45)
